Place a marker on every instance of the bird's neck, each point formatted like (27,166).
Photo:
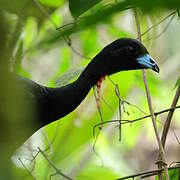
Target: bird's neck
(65,99)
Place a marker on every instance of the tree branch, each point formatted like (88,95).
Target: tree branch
(161,150)
(147,173)
(53,166)
(123,121)
(169,117)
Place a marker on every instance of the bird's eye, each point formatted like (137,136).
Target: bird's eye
(132,50)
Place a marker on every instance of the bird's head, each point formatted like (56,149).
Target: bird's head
(126,54)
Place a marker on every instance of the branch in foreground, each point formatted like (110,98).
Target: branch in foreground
(53,166)
(167,124)
(135,120)
(161,150)
(147,173)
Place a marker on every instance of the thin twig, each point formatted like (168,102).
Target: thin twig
(113,121)
(161,150)
(94,149)
(119,105)
(147,173)
(125,101)
(117,92)
(65,25)
(66,39)
(49,147)
(157,24)
(176,136)
(166,110)
(107,104)
(47,15)
(43,10)
(135,120)
(52,175)
(78,53)
(133,105)
(164,30)
(29,172)
(53,166)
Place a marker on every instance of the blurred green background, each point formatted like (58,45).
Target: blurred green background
(31,46)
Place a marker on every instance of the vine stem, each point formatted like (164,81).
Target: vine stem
(161,150)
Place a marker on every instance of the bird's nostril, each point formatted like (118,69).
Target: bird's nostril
(151,61)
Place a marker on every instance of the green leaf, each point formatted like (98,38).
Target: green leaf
(23,8)
(173,174)
(82,24)
(54,3)
(99,172)
(78,7)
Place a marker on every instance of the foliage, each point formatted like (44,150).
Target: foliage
(31,46)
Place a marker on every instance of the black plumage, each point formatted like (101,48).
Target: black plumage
(50,104)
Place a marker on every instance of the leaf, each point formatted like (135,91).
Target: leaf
(99,172)
(54,3)
(173,174)
(82,24)
(68,76)
(78,7)
(24,8)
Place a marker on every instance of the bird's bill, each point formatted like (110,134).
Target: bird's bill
(148,62)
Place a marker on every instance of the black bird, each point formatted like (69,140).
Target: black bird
(50,104)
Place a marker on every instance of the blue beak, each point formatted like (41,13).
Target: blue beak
(148,62)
